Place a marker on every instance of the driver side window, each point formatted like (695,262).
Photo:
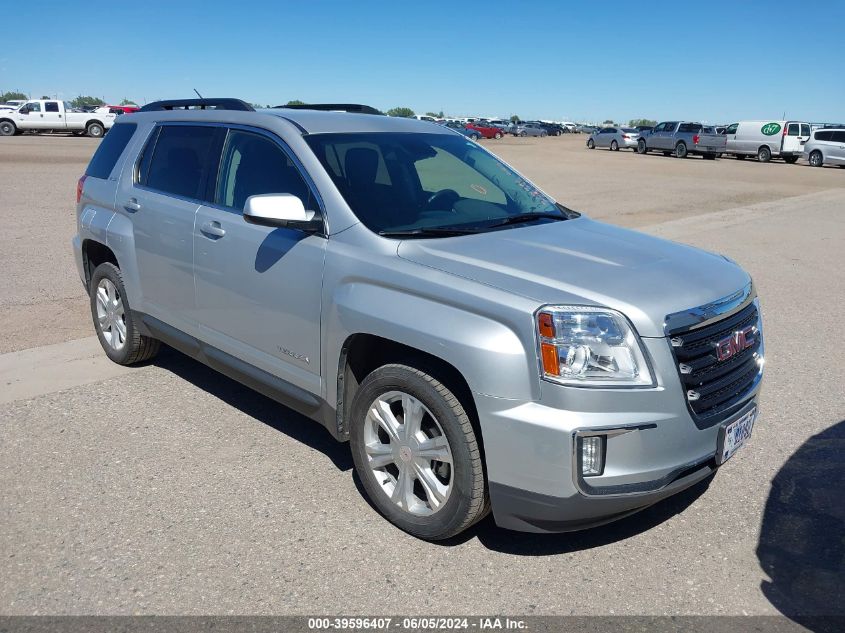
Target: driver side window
(33,106)
(253,164)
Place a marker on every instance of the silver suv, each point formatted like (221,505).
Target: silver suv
(477,343)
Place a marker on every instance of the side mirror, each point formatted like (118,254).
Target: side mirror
(282,210)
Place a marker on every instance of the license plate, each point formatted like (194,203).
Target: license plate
(734,434)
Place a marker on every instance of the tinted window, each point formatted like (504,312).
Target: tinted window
(429,180)
(689,127)
(34,106)
(805,129)
(182,159)
(838,137)
(824,136)
(110,149)
(792,129)
(252,165)
(51,106)
(732,128)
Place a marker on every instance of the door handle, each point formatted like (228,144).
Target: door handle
(132,205)
(213,229)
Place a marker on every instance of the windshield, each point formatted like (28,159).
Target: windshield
(401,182)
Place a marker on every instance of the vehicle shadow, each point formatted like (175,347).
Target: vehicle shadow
(255,405)
(802,537)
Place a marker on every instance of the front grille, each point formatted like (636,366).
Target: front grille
(710,385)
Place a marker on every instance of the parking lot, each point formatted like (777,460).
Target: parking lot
(170,489)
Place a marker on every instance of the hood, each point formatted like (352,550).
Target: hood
(583,262)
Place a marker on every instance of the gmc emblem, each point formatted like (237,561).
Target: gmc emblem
(732,345)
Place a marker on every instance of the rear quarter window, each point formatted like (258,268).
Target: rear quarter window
(823,136)
(110,149)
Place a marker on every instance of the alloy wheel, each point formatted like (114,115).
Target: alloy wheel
(111,317)
(408,453)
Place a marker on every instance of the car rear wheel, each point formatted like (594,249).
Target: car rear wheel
(816,158)
(7,128)
(614,146)
(416,453)
(591,144)
(113,319)
(95,130)
(764,154)
(642,148)
(681,150)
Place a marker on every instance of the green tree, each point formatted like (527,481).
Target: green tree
(436,115)
(607,122)
(636,122)
(81,101)
(295,102)
(46,97)
(515,118)
(126,101)
(403,112)
(13,94)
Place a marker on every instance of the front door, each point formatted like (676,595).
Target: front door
(171,183)
(258,287)
(31,116)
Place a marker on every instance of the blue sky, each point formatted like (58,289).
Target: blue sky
(545,59)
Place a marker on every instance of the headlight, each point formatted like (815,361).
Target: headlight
(590,347)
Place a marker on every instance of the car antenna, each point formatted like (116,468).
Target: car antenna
(198,93)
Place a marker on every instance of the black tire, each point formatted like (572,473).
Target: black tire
(790,160)
(7,128)
(467,501)
(681,150)
(137,348)
(642,148)
(614,146)
(591,144)
(95,130)
(816,158)
(764,154)
(497,135)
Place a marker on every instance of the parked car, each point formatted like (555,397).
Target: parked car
(586,129)
(552,129)
(525,128)
(682,138)
(826,147)
(486,130)
(571,127)
(767,139)
(124,109)
(478,344)
(12,104)
(500,123)
(44,115)
(614,138)
(463,129)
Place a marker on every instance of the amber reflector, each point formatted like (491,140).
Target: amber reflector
(551,365)
(546,325)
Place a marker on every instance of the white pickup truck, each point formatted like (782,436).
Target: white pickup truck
(44,115)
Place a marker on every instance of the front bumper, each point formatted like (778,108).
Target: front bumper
(530,451)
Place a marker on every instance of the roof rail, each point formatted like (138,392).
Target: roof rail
(198,104)
(334,107)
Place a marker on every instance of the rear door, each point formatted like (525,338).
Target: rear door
(796,134)
(836,147)
(258,288)
(173,177)
(53,116)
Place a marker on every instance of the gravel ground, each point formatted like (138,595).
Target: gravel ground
(168,489)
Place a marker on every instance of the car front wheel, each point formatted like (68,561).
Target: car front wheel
(416,453)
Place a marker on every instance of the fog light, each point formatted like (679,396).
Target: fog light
(592,455)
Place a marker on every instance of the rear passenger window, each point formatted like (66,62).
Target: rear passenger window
(838,137)
(805,129)
(51,106)
(689,127)
(824,136)
(109,151)
(182,158)
(252,165)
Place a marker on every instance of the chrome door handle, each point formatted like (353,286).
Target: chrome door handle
(132,205)
(213,229)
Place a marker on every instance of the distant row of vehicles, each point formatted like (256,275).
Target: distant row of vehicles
(787,140)
(496,129)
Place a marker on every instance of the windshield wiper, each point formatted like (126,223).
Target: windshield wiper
(433,231)
(522,218)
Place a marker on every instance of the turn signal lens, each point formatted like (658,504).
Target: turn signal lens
(546,325)
(551,364)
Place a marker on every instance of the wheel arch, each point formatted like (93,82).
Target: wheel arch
(98,122)
(95,253)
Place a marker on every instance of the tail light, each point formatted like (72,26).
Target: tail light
(695,139)
(80,185)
